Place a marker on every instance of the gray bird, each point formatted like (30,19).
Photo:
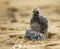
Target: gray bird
(38,22)
(33,35)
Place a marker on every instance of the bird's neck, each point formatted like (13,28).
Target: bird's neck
(36,15)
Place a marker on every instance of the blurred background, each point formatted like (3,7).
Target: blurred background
(14,20)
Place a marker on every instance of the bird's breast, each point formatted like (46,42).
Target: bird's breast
(35,26)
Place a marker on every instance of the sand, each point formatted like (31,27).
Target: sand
(12,33)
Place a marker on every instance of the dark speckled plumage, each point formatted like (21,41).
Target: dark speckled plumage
(33,35)
(38,23)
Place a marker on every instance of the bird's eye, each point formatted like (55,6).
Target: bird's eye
(38,12)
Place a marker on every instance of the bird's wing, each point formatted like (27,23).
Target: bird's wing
(44,24)
(43,21)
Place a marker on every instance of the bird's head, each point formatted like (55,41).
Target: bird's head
(35,11)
